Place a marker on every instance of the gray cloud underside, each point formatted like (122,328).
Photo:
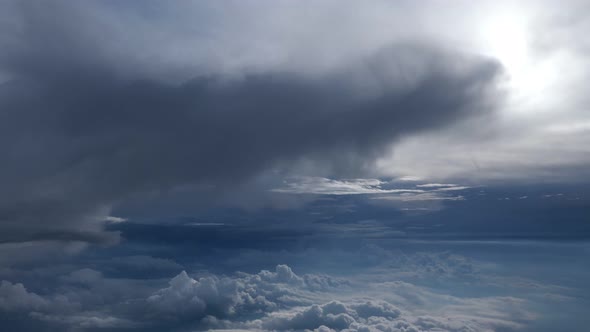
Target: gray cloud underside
(81,128)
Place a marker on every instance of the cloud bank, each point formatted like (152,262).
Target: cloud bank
(278,301)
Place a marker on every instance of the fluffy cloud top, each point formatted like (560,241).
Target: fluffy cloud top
(279,301)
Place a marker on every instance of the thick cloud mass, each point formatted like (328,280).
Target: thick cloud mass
(15,296)
(81,132)
(274,301)
(393,166)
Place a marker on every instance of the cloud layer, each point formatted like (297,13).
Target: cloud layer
(279,300)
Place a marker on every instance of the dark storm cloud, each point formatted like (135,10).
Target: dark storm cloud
(81,129)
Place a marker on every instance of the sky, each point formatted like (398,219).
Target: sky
(370,166)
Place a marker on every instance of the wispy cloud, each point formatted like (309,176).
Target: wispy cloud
(379,190)
(325,186)
(435,185)
(412,197)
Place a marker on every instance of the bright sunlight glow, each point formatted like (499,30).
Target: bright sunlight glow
(506,36)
